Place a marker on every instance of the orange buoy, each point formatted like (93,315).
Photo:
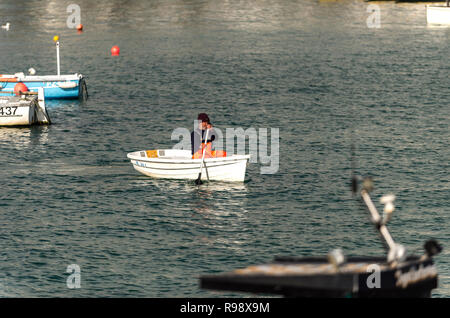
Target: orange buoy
(20,87)
(80,27)
(115,50)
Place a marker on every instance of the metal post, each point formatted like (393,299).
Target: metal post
(376,218)
(57,57)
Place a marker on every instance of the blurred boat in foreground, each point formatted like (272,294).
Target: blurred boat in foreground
(396,275)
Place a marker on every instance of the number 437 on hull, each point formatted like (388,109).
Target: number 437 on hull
(24,110)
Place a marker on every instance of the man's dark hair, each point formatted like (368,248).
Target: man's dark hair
(203,117)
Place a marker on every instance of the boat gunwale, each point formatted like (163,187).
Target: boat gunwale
(41,78)
(233,158)
(437,6)
(18,103)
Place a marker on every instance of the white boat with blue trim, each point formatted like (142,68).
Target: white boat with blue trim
(70,86)
(178,164)
(59,86)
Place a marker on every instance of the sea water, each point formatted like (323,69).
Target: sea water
(319,71)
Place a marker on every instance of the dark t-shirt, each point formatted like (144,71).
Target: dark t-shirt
(196,140)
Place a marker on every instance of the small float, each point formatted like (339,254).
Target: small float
(397,275)
(71,86)
(439,15)
(178,164)
(26,109)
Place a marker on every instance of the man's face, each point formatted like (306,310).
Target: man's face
(203,125)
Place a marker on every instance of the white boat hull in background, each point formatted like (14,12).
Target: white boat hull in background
(438,15)
(178,164)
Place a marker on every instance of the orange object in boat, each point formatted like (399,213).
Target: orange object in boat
(20,87)
(219,153)
(152,153)
(199,154)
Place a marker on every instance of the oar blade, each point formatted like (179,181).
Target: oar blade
(199,179)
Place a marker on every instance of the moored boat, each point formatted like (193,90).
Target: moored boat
(438,15)
(178,164)
(56,86)
(24,110)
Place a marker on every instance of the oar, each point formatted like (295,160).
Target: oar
(199,181)
(20,92)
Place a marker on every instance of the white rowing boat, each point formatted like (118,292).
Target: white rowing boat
(438,15)
(178,164)
(24,110)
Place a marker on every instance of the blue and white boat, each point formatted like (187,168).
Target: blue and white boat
(55,86)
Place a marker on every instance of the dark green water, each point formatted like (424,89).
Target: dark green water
(312,69)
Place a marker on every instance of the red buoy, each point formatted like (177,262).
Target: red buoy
(20,87)
(80,27)
(115,50)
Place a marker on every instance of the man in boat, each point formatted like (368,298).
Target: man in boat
(198,139)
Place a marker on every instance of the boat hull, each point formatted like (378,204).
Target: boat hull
(17,115)
(439,15)
(315,277)
(23,111)
(55,87)
(228,169)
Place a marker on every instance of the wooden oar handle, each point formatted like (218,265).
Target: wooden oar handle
(20,92)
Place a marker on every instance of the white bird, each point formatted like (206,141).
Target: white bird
(6,26)
(31,71)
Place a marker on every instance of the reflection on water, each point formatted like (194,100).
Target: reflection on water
(39,135)
(15,135)
(213,198)
(23,137)
(215,211)
(62,103)
(208,199)
(220,207)
(252,15)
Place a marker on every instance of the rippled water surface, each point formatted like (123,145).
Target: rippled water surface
(313,69)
